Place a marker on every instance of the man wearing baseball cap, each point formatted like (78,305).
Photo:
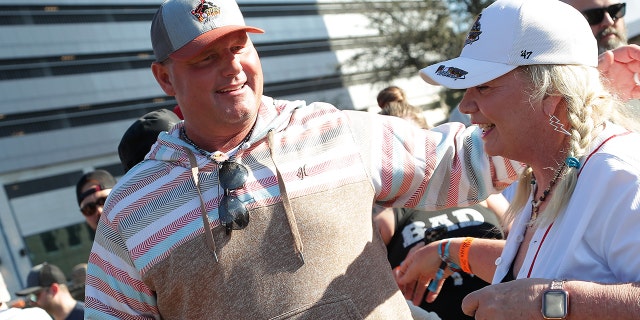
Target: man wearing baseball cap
(251,197)
(606,19)
(142,134)
(8,312)
(92,190)
(47,288)
(259,208)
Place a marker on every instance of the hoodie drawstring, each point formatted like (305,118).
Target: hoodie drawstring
(203,209)
(291,218)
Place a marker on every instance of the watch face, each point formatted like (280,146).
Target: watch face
(554,304)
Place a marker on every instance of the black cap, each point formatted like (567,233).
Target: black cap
(142,134)
(41,276)
(101,178)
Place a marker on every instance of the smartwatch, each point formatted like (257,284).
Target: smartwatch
(555,301)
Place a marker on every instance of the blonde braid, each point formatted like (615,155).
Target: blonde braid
(579,112)
(588,107)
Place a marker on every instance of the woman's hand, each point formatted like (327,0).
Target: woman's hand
(418,270)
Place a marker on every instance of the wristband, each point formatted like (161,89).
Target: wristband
(443,251)
(464,255)
(433,285)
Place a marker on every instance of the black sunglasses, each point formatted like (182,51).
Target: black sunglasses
(595,16)
(90,209)
(233,212)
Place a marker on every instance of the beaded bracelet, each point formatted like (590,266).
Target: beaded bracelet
(464,255)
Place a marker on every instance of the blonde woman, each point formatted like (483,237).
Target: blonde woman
(532,86)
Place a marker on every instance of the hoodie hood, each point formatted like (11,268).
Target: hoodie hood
(272,115)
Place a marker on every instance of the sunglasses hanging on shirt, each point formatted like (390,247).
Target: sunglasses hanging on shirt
(233,212)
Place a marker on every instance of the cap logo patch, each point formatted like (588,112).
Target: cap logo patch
(451,72)
(474,33)
(205,10)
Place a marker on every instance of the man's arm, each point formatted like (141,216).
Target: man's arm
(522,299)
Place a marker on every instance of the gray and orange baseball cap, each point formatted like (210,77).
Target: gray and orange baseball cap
(181,29)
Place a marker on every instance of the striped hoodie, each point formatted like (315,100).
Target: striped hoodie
(309,250)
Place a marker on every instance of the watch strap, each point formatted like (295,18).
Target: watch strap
(559,309)
(557,285)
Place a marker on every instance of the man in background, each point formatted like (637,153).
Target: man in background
(47,288)
(606,18)
(92,190)
(12,313)
(142,134)
(78,281)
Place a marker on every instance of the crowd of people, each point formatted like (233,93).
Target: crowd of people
(266,206)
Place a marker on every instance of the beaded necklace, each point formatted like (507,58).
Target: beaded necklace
(535,204)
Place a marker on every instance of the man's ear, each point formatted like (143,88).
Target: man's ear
(161,73)
(54,288)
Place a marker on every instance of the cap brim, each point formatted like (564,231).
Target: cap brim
(197,45)
(463,73)
(28,291)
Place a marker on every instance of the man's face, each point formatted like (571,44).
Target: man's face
(610,32)
(91,206)
(218,90)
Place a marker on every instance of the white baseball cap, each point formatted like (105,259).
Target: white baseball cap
(512,33)
(181,29)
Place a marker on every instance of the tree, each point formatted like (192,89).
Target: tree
(412,35)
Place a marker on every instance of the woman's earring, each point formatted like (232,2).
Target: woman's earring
(557,126)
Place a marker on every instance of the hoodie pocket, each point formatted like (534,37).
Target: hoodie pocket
(336,308)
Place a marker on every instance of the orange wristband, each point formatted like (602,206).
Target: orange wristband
(464,255)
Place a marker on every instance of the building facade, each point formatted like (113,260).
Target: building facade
(74,74)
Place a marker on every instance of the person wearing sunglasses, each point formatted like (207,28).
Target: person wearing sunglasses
(8,310)
(606,18)
(260,208)
(92,190)
(47,288)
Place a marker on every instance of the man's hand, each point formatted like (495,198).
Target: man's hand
(517,299)
(621,66)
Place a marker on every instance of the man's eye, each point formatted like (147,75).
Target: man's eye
(204,59)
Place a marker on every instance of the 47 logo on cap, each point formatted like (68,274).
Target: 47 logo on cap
(205,10)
